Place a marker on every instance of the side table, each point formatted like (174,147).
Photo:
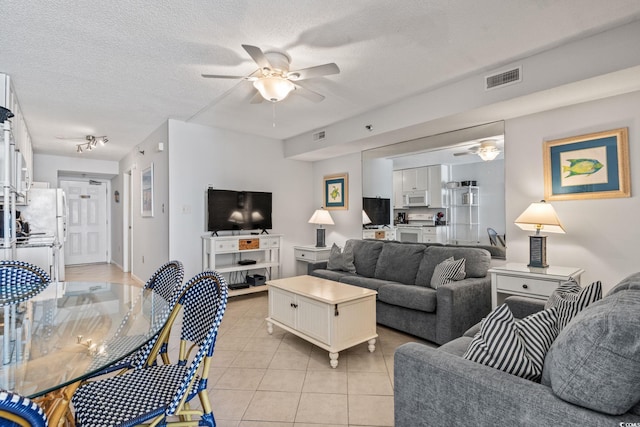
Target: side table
(309,254)
(537,283)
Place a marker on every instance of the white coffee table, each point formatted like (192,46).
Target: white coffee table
(334,316)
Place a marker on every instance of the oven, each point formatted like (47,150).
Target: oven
(409,234)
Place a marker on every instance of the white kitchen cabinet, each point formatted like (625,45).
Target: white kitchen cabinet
(415,179)
(398,200)
(438,175)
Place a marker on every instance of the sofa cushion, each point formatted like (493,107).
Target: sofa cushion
(409,296)
(334,275)
(365,256)
(399,262)
(569,299)
(476,265)
(629,282)
(595,361)
(518,348)
(456,347)
(364,282)
(448,271)
(341,260)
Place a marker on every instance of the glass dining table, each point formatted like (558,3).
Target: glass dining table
(72,330)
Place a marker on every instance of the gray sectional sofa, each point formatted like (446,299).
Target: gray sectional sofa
(591,374)
(401,273)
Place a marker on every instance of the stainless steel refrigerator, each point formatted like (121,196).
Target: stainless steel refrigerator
(46,213)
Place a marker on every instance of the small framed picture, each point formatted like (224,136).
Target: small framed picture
(593,166)
(146,191)
(335,190)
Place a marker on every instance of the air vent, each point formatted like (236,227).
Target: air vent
(319,136)
(503,78)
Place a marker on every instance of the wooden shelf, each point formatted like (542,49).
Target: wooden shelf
(246,291)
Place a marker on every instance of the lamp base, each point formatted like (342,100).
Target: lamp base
(538,252)
(320,238)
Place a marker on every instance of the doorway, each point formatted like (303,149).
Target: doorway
(87,224)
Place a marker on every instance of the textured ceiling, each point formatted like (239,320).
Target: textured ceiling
(121,68)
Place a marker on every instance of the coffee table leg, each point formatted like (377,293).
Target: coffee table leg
(372,345)
(333,360)
(269,328)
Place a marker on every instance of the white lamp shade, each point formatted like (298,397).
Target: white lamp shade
(321,217)
(274,89)
(365,218)
(540,216)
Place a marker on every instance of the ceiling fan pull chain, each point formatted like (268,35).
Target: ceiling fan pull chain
(273,106)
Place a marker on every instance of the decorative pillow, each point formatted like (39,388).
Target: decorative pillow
(515,347)
(595,361)
(448,271)
(341,260)
(569,299)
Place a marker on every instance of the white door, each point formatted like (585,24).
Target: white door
(87,223)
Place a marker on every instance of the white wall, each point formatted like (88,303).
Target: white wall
(348,223)
(601,234)
(47,168)
(150,235)
(201,156)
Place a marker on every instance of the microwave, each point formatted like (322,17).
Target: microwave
(415,198)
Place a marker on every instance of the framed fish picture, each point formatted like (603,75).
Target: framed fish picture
(335,190)
(593,166)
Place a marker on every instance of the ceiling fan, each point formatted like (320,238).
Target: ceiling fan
(273,79)
(487,150)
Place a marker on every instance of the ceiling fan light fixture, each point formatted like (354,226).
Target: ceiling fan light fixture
(274,88)
(488,154)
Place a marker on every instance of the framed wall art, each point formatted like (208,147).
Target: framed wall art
(146,191)
(335,190)
(592,166)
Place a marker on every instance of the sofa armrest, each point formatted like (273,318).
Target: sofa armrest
(434,388)
(460,305)
(319,265)
(522,307)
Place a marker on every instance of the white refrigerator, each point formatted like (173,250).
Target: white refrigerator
(46,213)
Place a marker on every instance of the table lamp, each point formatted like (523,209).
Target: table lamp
(365,219)
(320,217)
(539,216)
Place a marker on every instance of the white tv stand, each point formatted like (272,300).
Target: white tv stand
(222,253)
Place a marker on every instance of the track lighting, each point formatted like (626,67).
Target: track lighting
(92,142)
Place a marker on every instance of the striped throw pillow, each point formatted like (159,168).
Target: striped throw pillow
(448,271)
(515,347)
(570,299)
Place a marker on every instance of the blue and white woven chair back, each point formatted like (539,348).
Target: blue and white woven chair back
(204,303)
(163,281)
(16,410)
(20,281)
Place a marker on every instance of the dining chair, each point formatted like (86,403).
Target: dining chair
(156,392)
(16,410)
(166,283)
(20,281)
(495,238)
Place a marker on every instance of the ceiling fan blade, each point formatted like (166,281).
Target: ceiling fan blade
(317,71)
(308,93)
(257,55)
(257,98)
(463,153)
(218,76)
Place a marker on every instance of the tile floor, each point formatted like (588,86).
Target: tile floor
(280,380)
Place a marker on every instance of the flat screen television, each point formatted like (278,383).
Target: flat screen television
(378,210)
(238,210)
